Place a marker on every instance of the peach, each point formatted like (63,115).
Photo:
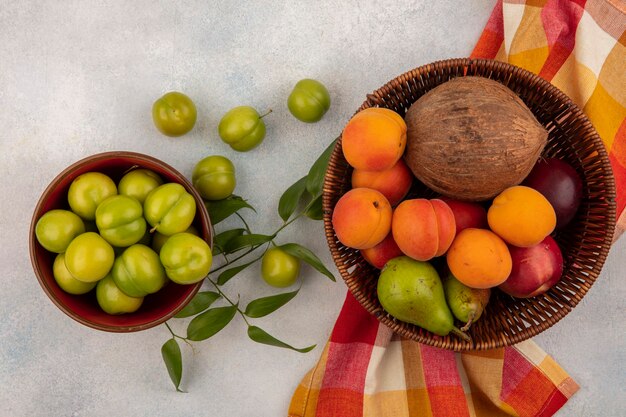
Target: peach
(380,254)
(394,183)
(374,139)
(467,214)
(362,218)
(423,229)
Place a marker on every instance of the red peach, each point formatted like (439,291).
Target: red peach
(467,214)
(383,252)
(535,269)
(394,183)
(374,139)
(423,229)
(362,218)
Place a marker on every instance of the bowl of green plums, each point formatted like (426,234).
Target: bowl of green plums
(120,241)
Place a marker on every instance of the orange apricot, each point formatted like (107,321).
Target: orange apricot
(362,218)
(479,258)
(374,139)
(394,183)
(423,229)
(521,216)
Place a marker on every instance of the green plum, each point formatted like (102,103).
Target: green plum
(87,191)
(242,128)
(309,101)
(138,271)
(214,177)
(138,183)
(89,257)
(169,209)
(174,114)
(187,258)
(158,239)
(66,281)
(120,220)
(112,300)
(279,268)
(56,229)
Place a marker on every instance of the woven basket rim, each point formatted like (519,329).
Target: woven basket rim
(539,84)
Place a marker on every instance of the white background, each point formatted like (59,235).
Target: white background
(78,78)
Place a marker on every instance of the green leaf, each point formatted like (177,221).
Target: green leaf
(173,361)
(222,209)
(226,275)
(315,178)
(220,240)
(210,322)
(240,242)
(315,210)
(261,336)
(200,302)
(290,198)
(263,306)
(307,256)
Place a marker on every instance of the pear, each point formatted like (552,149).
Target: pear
(466,303)
(411,291)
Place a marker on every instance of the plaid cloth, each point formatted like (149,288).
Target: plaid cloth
(366,369)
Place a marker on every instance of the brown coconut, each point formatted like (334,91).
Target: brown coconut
(472,137)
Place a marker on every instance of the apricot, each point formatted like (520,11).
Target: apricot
(423,229)
(374,139)
(479,258)
(362,218)
(380,254)
(521,216)
(394,183)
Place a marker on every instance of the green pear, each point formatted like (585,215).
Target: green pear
(412,291)
(466,303)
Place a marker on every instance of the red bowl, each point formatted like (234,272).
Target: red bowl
(157,307)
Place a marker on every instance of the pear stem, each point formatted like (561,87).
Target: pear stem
(461,334)
(472,314)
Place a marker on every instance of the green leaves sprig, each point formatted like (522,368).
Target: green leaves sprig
(241,248)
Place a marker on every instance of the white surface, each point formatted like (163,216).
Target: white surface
(78,79)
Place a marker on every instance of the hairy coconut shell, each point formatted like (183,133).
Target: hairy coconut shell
(472,137)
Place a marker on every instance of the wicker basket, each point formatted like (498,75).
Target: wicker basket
(585,242)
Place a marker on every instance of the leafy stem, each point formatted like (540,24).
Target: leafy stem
(236,305)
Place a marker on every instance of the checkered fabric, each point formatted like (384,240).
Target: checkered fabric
(367,370)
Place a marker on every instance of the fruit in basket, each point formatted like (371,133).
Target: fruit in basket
(394,183)
(560,184)
(467,214)
(187,258)
(89,257)
(279,268)
(412,291)
(467,304)
(535,269)
(66,281)
(87,191)
(362,218)
(423,229)
(242,128)
(174,114)
(159,239)
(309,100)
(472,137)
(169,209)
(214,177)
(112,300)
(120,220)
(138,183)
(479,258)
(57,228)
(380,254)
(521,216)
(138,271)
(374,139)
